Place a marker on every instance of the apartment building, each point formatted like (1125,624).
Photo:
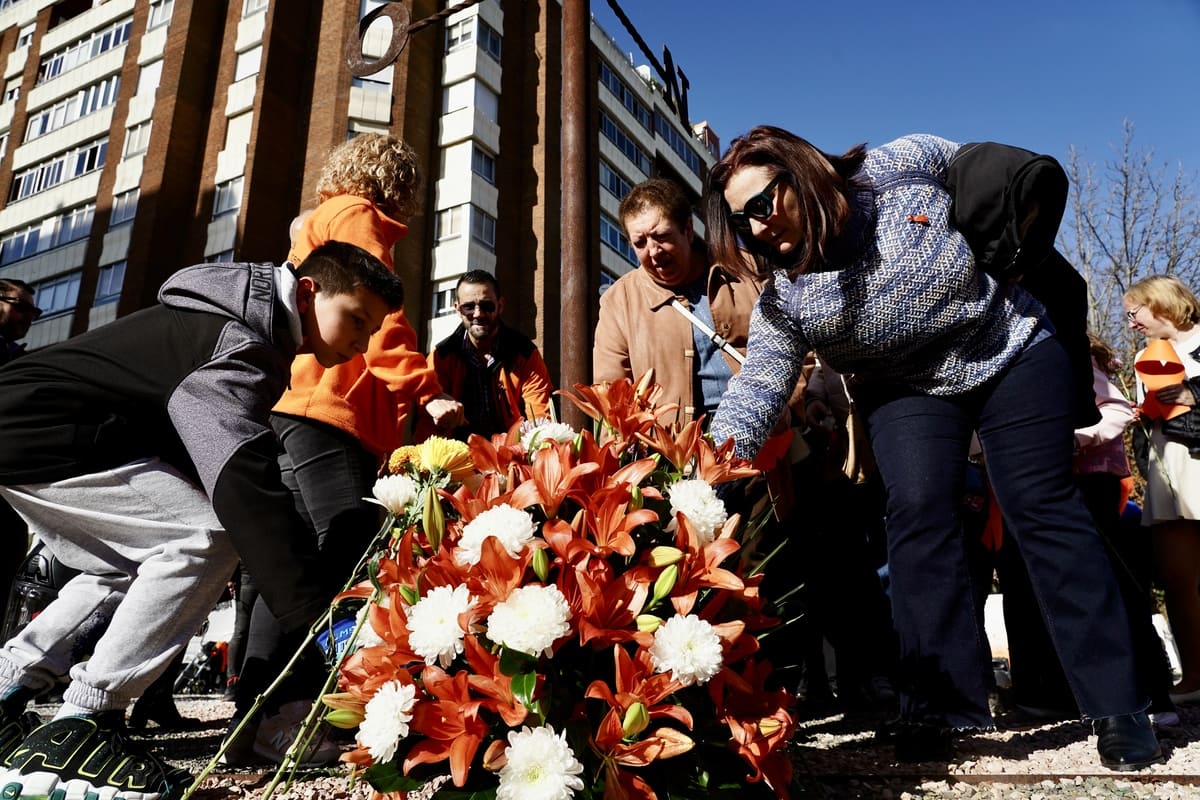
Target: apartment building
(140,136)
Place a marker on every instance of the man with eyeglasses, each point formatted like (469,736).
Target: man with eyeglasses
(17,313)
(496,372)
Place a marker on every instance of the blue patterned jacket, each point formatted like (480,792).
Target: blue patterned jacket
(912,310)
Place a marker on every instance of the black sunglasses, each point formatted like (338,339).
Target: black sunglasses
(486,306)
(759,206)
(23,305)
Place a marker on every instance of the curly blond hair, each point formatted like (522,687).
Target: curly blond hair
(375,166)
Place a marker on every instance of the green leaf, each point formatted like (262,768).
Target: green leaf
(514,662)
(388,778)
(523,686)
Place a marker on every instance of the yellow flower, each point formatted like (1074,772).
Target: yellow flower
(447,455)
(403,456)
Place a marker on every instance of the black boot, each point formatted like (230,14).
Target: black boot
(1126,742)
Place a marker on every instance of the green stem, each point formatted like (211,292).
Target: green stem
(291,760)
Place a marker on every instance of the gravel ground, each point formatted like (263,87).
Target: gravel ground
(835,758)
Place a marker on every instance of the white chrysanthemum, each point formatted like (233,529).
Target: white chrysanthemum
(535,437)
(387,716)
(396,493)
(541,766)
(688,648)
(531,619)
(367,637)
(700,504)
(512,526)
(434,632)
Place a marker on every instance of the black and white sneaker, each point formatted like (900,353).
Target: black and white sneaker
(13,730)
(81,756)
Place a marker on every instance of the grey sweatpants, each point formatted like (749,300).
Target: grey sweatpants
(152,556)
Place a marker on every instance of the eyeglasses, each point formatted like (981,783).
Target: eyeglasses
(1132,313)
(23,305)
(486,306)
(759,206)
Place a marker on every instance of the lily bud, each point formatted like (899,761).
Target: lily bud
(664,556)
(637,719)
(408,593)
(434,519)
(648,623)
(344,718)
(636,501)
(665,583)
(541,564)
(496,756)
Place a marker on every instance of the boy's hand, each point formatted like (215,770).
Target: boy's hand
(445,411)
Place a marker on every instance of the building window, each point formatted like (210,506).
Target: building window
(108,287)
(677,143)
(137,139)
(607,279)
(73,225)
(612,235)
(456,96)
(612,131)
(20,244)
(11,91)
(483,228)
(449,223)
(58,295)
(59,169)
(25,36)
(228,197)
(460,33)
(483,164)
(78,105)
(3,144)
(621,90)
(487,102)
(443,301)
(253,7)
(69,226)
(84,50)
(248,63)
(160,13)
(489,39)
(611,180)
(124,208)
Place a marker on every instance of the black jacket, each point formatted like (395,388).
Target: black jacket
(1008,203)
(191,381)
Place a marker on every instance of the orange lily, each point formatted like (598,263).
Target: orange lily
(678,447)
(700,567)
(607,611)
(552,479)
(450,724)
(489,681)
(718,464)
(758,721)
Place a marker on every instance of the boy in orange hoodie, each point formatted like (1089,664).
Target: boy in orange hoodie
(337,424)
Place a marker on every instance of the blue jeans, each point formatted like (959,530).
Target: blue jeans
(1023,418)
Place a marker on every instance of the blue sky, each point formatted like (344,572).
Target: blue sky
(1042,74)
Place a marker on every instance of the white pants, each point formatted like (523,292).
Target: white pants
(152,557)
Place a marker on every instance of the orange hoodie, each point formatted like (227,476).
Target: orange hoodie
(368,396)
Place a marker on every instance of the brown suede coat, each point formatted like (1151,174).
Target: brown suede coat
(638,330)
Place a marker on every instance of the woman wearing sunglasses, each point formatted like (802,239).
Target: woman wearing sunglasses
(865,269)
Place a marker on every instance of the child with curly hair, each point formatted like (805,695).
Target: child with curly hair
(336,424)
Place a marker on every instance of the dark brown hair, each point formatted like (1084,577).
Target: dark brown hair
(662,194)
(821,182)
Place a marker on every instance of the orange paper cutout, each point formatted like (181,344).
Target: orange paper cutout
(1158,367)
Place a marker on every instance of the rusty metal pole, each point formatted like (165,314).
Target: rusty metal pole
(574,358)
